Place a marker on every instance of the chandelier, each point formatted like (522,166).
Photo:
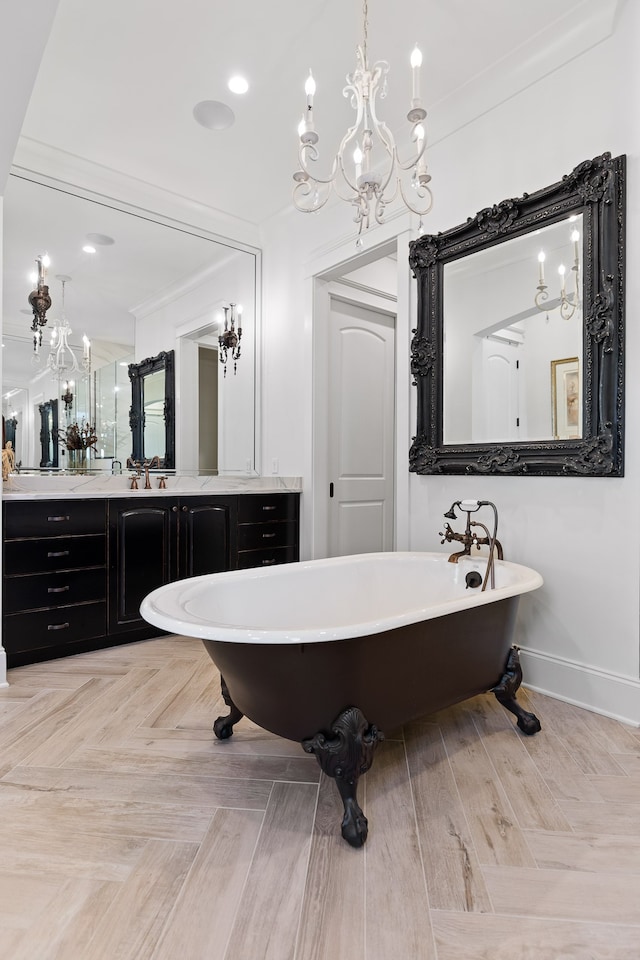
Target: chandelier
(374,166)
(62,359)
(39,300)
(229,339)
(568,303)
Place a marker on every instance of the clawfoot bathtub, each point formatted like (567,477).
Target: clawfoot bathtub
(334,652)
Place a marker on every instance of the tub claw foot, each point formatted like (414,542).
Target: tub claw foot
(345,757)
(223,726)
(505,693)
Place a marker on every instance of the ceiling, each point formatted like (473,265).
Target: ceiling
(119,80)
(117,86)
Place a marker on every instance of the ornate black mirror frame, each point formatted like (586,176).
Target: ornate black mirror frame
(137,373)
(596,189)
(49,433)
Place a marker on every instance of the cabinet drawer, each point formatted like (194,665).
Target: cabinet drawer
(261,508)
(266,558)
(53,589)
(53,518)
(254,536)
(49,628)
(55,553)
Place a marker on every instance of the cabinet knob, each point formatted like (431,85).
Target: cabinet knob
(174,509)
(184,509)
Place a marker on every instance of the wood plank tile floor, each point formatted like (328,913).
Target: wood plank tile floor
(128,832)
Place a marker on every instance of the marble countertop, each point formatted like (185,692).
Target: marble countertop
(65,486)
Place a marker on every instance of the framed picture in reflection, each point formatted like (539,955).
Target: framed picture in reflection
(566,399)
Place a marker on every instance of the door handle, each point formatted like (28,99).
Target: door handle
(331,489)
(57,589)
(58,553)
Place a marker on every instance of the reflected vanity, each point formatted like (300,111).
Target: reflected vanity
(518,351)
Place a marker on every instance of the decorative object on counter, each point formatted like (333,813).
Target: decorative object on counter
(8,460)
(229,339)
(77,439)
(40,301)
(374,164)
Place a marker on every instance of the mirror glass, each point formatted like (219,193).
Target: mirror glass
(512,339)
(153,412)
(143,280)
(517,354)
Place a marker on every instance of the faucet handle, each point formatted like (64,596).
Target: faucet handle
(134,481)
(163,483)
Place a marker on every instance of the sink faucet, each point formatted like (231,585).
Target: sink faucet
(154,462)
(469,537)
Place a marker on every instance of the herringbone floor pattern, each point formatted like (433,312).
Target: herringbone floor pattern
(128,832)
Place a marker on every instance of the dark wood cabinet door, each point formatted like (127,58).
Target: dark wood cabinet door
(207,535)
(142,556)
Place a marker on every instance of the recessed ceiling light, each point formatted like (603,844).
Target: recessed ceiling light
(214,115)
(101,239)
(238,84)
(88,248)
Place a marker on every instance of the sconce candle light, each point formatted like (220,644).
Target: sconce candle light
(229,339)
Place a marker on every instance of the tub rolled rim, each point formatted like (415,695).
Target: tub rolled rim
(165,607)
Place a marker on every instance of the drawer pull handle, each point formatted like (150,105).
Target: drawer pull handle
(267,563)
(58,626)
(272,507)
(58,519)
(268,536)
(57,589)
(58,553)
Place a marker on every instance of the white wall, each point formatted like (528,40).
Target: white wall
(580,631)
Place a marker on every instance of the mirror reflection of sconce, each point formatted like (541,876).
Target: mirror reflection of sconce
(67,396)
(229,339)
(568,304)
(39,300)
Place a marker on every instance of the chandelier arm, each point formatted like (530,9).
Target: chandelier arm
(423,191)
(311,149)
(305,189)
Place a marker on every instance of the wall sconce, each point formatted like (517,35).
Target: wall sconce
(40,301)
(67,396)
(229,339)
(568,305)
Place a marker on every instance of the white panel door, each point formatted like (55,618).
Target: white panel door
(496,416)
(361,429)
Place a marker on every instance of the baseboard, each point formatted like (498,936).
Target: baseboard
(609,694)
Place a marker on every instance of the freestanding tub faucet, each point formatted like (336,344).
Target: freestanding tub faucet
(469,538)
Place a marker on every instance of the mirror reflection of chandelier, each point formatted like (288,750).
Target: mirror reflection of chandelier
(62,359)
(568,303)
(374,165)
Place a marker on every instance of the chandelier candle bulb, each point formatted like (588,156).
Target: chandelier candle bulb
(541,259)
(357,159)
(561,271)
(416,63)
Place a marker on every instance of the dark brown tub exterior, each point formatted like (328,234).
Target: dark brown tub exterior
(339,697)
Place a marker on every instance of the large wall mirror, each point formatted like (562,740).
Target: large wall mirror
(518,351)
(132,280)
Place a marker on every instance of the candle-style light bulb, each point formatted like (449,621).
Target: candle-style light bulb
(301,127)
(561,271)
(310,89)
(357,159)
(416,63)
(541,259)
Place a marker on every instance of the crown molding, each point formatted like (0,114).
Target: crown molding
(68,172)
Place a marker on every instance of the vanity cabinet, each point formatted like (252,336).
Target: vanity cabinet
(76,571)
(161,539)
(267,529)
(54,583)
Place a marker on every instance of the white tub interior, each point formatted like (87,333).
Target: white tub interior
(327,599)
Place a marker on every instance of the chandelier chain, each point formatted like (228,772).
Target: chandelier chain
(365,30)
